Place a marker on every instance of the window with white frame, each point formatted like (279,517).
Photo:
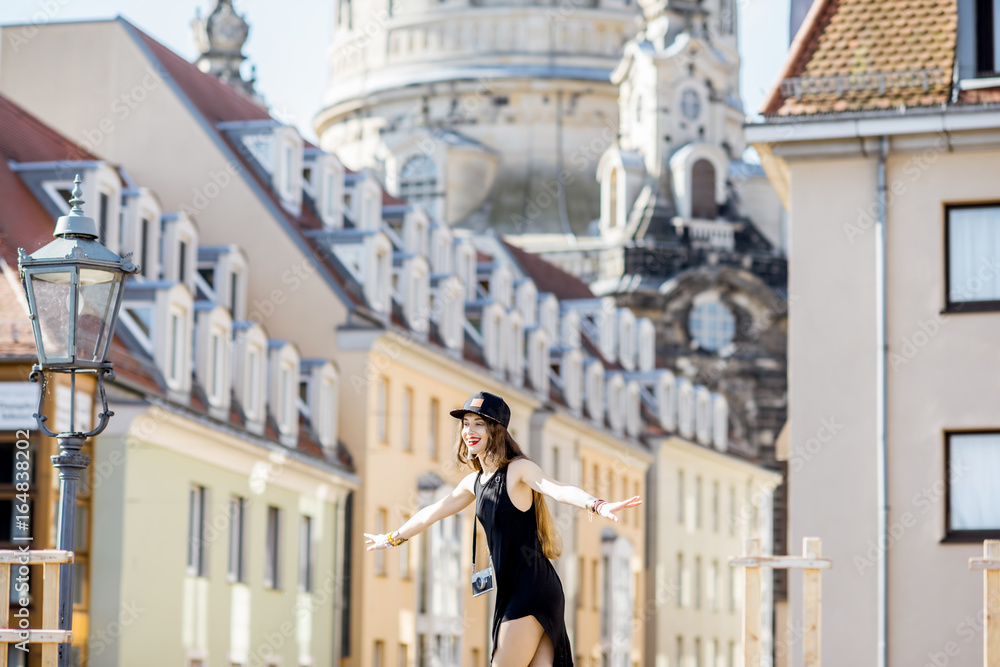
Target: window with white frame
(466,265)
(237,539)
(633,416)
(515,348)
(216,363)
(198,506)
(973,260)
(680,498)
(680,589)
(143,246)
(712,325)
(493,325)
(286,395)
(685,408)
(720,419)
(647,344)
(449,308)
(972,480)
(418,181)
(538,361)
(696,590)
(328,409)
(501,286)
(415,233)
(616,395)
(607,328)
(272,549)
(978,49)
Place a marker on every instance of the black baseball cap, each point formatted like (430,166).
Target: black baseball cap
(486,405)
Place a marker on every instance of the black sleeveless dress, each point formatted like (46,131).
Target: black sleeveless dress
(526,582)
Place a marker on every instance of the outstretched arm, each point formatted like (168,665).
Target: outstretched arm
(456,501)
(527,471)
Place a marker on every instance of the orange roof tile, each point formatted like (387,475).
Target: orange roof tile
(859,55)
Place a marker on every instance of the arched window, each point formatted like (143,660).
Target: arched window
(703,191)
(712,326)
(418,181)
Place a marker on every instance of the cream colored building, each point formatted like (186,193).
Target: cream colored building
(890,184)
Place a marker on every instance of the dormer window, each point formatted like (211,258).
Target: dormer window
(441,250)
(685,408)
(720,419)
(626,339)
(141,232)
(501,286)
(571,376)
(180,245)
(978,48)
(647,344)
(175,312)
(284,397)
(538,362)
(212,366)
(526,301)
(286,161)
(703,415)
(322,383)
(607,328)
(666,400)
(378,272)
(466,268)
(571,329)
(548,317)
(595,392)
(699,170)
(616,403)
(493,322)
(633,416)
(250,373)
(417,290)
(515,349)
(326,179)
(415,233)
(449,308)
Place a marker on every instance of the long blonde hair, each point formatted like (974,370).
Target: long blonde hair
(501,449)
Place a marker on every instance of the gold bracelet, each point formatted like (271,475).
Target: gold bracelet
(395,541)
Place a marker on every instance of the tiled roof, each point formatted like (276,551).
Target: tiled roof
(855,50)
(548,277)
(218,102)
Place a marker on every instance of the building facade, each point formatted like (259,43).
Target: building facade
(884,157)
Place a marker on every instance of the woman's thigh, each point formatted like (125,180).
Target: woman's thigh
(517,642)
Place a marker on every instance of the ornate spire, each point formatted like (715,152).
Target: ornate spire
(220,38)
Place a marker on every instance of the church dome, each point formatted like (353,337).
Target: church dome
(510,99)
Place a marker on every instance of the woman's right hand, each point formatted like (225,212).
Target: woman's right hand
(377,541)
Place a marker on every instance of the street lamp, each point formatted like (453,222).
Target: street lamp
(74,289)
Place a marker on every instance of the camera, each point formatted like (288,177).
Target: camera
(482,581)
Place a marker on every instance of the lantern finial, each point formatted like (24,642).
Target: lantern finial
(76,203)
(76,223)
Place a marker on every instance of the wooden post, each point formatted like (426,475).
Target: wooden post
(751,607)
(50,611)
(4,607)
(990,565)
(811,610)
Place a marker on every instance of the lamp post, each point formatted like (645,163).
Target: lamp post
(74,288)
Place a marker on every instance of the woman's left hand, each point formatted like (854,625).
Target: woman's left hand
(609,510)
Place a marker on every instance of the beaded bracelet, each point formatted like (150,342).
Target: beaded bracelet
(394,541)
(595,508)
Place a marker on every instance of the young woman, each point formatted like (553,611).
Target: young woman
(529,628)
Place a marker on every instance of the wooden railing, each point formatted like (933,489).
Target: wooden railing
(809,561)
(49,636)
(990,565)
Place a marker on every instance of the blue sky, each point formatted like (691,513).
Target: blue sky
(288,41)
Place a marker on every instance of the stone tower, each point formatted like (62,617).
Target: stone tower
(490,113)
(219,38)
